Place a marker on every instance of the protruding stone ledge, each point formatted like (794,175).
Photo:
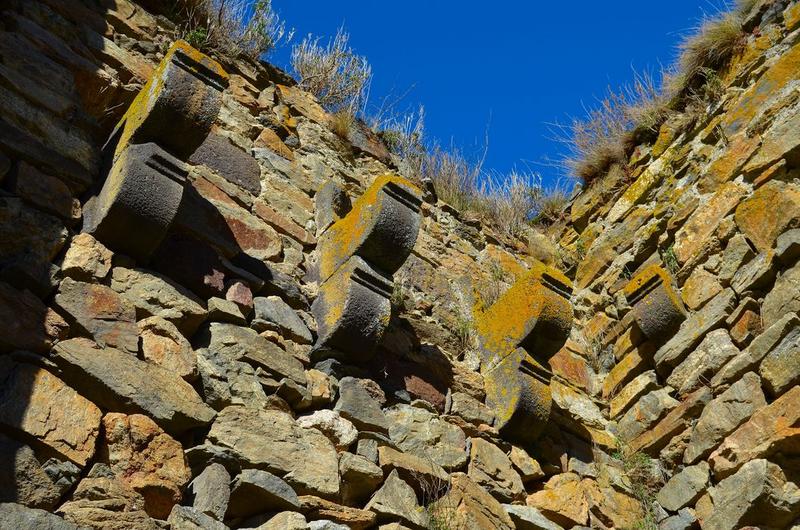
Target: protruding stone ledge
(139,200)
(656,305)
(359,250)
(145,179)
(518,334)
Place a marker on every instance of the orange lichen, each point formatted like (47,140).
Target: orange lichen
(343,238)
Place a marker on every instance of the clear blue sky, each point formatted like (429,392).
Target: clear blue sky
(513,66)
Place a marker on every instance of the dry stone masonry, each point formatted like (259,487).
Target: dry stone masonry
(221,314)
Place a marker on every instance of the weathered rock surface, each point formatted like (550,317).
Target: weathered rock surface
(185,518)
(757,494)
(22,478)
(339,431)
(17,516)
(153,295)
(723,415)
(273,441)
(86,259)
(272,313)
(357,405)
(771,429)
(211,490)
(122,383)
(684,488)
(490,468)
(423,433)
(396,501)
(359,477)
(147,460)
(700,365)
(469,504)
(164,345)
(256,491)
(35,403)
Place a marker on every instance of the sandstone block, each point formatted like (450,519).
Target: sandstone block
(758,493)
(714,351)
(35,403)
(529,518)
(684,488)
(271,440)
(397,500)
(23,479)
(256,491)
(212,492)
(413,469)
(340,431)
(121,382)
(630,393)
(421,432)
(359,477)
(771,429)
(645,413)
(723,415)
(357,405)
(673,423)
(274,314)
(185,518)
(163,344)
(344,516)
(473,506)
(86,259)
(101,313)
(14,515)
(154,295)
(780,369)
(490,468)
(771,209)
(146,459)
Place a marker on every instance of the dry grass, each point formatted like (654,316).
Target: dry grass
(334,73)
(634,113)
(234,27)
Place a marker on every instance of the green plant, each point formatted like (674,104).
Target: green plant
(670,259)
(441,509)
(716,40)
(645,477)
(334,73)
(398,299)
(197,37)
(464,332)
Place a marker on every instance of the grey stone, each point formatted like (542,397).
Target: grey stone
(630,393)
(298,396)
(684,520)
(723,415)
(226,381)
(656,306)
(245,345)
(693,329)
(736,254)
(99,312)
(684,488)
(755,274)
(17,516)
(331,203)
(26,319)
(490,468)
(645,413)
(470,409)
(285,521)
(706,360)
(221,310)
(185,518)
(22,479)
(527,467)
(749,359)
(212,491)
(154,295)
(272,440)
(229,161)
(780,369)
(272,313)
(397,500)
(325,524)
(138,202)
(368,448)
(351,311)
(358,406)
(529,518)
(122,383)
(783,298)
(787,247)
(339,430)
(757,494)
(359,478)
(256,491)
(423,433)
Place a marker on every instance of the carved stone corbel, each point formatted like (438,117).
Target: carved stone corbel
(655,304)
(145,173)
(517,336)
(357,255)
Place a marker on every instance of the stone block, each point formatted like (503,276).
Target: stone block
(138,202)
(381,228)
(490,468)
(517,335)
(176,107)
(36,404)
(684,488)
(274,314)
(211,491)
(331,203)
(352,311)
(397,500)
(770,430)
(656,304)
(256,491)
(229,161)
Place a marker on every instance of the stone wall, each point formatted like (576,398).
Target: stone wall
(172,374)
